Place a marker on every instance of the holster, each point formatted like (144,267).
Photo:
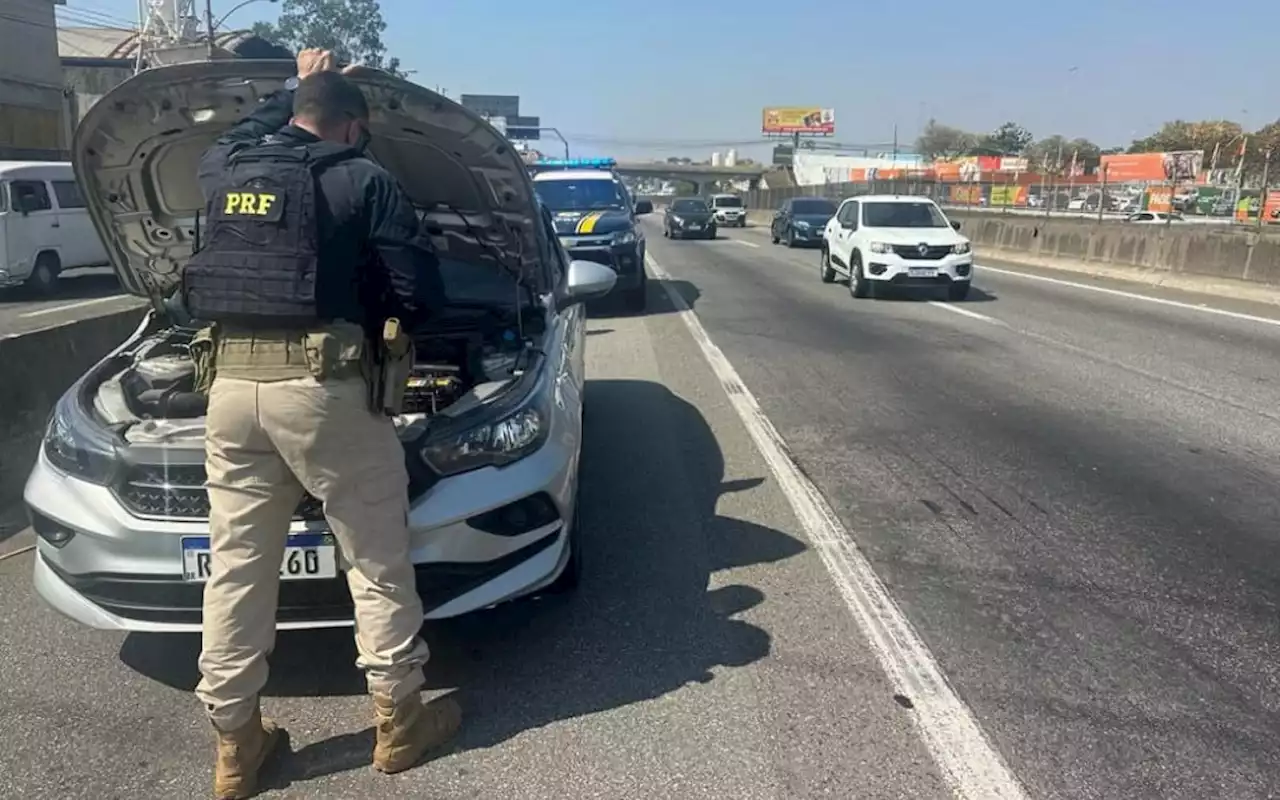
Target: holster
(390,363)
(203,350)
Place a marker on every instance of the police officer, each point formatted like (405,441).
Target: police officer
(309,246)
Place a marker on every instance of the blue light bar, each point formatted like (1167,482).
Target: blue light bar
(575,163)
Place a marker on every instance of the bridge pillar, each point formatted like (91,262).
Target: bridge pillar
(697,187)
(753,185)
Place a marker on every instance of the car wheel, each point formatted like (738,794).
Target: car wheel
(571,576)
(791,237)
(825,272)
(44,275)
(859,286)
(958,291)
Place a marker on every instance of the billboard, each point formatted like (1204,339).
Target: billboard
(798,119)
(492,105)
(524,128)
(1178,165)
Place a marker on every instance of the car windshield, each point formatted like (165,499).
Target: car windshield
(591,194)
(902,215)
(728,202)
(815,207)
(689,206)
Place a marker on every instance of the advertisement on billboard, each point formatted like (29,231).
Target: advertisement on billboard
(1179,165)
(798,119)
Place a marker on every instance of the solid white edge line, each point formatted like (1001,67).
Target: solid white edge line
(969,763)
(71,306)
(965,312)
(1132,295)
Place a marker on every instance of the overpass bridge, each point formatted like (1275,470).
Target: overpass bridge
(696,174)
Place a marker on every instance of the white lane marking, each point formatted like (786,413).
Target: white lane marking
(18,552)
(966,312)
(71,306)
(744,244)
(968,761)
(1134,296)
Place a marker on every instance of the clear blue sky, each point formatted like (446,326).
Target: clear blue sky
(651,78)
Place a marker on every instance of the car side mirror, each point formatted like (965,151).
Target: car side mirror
(848,226)
(955,224)
(644,207)
(587,280)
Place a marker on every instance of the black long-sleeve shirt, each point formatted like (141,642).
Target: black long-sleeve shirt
(375,259)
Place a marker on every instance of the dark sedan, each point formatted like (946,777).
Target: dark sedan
(689,218)
(801,220)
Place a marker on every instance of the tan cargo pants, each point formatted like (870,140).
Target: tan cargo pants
(267,441)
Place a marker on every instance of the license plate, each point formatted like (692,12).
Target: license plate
(307,556)
(695,227)
(922,272)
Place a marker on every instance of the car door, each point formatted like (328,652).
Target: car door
(81,245)
(840,232)
(33,227)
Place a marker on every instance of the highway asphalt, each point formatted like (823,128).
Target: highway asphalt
(1065,485)
(80,293)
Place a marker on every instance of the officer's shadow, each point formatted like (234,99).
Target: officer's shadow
(642,624)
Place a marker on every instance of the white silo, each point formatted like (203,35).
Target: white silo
(731,158)
(715,159)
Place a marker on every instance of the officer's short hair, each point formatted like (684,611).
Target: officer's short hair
(327,99)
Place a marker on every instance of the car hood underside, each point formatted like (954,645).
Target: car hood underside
(137,150)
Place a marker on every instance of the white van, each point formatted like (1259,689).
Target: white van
(44,225)
(729,209)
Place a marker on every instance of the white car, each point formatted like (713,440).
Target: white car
(729,210)
(881,241)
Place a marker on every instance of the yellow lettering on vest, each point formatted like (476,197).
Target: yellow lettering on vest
(248,203)
(265,202)
(233,203)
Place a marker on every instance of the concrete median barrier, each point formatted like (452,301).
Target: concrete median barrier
(35,369)
(1146,252)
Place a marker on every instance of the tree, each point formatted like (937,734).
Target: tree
(943,141)
(1010,139)
(352,29)
(1046,152)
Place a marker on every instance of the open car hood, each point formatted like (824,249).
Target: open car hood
(137,150)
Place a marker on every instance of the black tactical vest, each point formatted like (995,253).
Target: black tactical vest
(261,251)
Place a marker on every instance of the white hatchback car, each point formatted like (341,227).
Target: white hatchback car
(881,241)
(493,431)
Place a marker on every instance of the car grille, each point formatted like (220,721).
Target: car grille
(932,253)
(177,491)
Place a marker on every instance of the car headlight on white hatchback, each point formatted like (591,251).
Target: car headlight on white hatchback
(880,247)
(961,248)
(491,437)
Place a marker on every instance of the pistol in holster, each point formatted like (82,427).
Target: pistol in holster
(392,364)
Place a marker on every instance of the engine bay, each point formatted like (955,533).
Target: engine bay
(151,396)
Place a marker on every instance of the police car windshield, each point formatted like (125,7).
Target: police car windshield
(581,195)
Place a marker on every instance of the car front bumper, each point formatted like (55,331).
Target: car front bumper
(809,235)
(916,272)
(121,572)
(730,218)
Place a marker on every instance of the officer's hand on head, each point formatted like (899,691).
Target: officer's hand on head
(313,60)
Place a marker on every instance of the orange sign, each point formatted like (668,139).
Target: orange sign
(1271,209)
(1134,167)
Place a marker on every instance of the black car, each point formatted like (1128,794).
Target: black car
(689,218)
(801,220)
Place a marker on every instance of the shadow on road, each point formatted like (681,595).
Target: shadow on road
(73,285)
(610,307)
(976,295)
(643,623)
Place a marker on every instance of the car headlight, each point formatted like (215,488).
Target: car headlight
(506,436)
(73,445)
(624,237)
(802,225)
(881,247)
(961,248)
(679,220)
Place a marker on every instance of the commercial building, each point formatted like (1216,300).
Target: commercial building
(33,119)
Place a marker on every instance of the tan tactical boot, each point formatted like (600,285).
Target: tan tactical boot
(408,730)
(241,756)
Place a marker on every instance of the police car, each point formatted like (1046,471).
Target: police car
(595,217)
